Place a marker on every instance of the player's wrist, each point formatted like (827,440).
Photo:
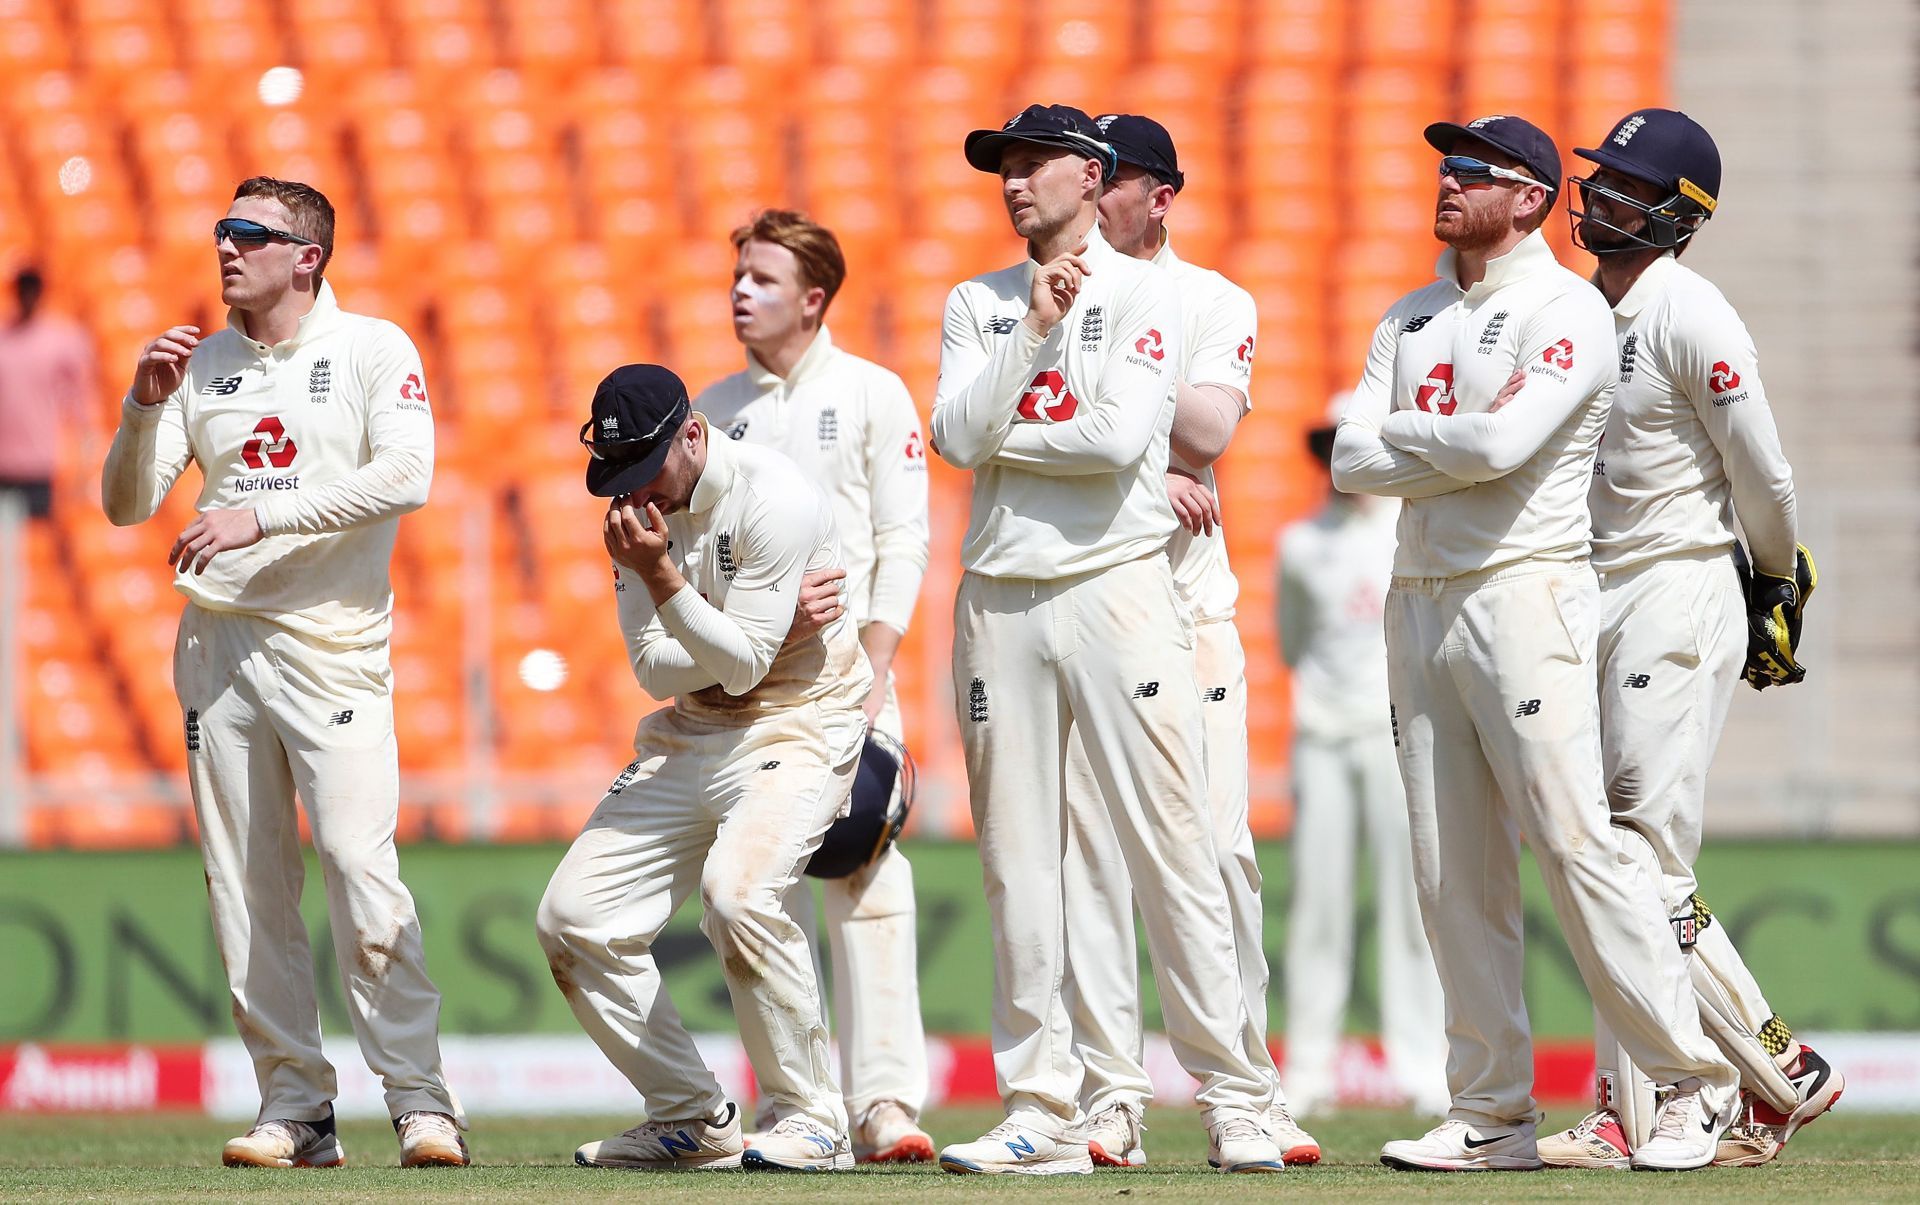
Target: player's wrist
(1039,326)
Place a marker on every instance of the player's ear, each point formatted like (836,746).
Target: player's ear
(813,303)
(1161,202)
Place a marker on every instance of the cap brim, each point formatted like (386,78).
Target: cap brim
(1442,135)
(1624,166)
(612,478)
(984,147)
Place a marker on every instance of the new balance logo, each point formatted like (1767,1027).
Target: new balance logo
(1527,707)
(977,701)
(1024,1146)
(341,717)
(679,1142)
(1146,690)
(1001,326)
(770,765)
(1637,681)
(1215,694)
(1414,324)
(223,386)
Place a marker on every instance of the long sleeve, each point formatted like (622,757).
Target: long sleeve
(897,471)
(980,383)
(1364,462)
(662,665)
(397,476)
(149,452)
(1717,367)
(1295,604)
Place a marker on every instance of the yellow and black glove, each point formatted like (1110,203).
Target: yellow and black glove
(1774,606)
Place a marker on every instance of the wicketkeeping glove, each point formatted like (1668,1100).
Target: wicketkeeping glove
(1774,605)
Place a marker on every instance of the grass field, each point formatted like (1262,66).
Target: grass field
(1843,1158)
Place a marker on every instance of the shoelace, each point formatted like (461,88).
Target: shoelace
(1591,1123)
(878,1108)
(1284,1116)
(1240,1127)
(1003,1131)
(800,1125)
(439,1124)
(280,1127)
(1674,1115)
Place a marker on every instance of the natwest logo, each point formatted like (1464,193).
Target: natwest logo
(1724,377)
(1437,393)
(270,445)
(1560,355)
(1149,345)
(1048,395)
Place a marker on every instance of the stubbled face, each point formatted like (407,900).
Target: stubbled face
(1042,187)
(771,300)
(1598,209)
(1474,217)
(254,277)
(1126,209)
(672,487)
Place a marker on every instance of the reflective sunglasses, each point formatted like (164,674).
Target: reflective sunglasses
(1468,170)
(639,445)
(252,234)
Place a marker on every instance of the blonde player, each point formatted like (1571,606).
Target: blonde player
(1333,569)
(1492,624)
(730,789)
(851,427)
(1690,443)
(311,428)
(1103,991)
(1057,380)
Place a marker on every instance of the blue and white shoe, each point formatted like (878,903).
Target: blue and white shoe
(704,1144)
(1025,1144)
(799,1144)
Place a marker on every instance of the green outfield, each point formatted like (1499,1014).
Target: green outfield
(1850,1158)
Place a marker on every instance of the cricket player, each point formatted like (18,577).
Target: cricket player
(313,435)
(1211,386)
(1334,568)
(1481,407)
(851,427)
(730,789)
(1057,386)
(1689,445)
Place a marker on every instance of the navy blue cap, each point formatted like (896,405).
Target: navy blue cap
(1145,143)
(637,410)
(1514,136)
(1665,148)
(1049,125)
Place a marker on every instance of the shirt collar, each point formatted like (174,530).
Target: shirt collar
(1165,257)
(1530,256)
(319,318)
(1097,249)
(818,353)
(1653,279)
(718,476)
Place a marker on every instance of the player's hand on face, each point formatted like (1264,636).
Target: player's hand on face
(214,531)
(1055,285)
(819,602)
(1507,392)
(162,365)
(1193,504)
(637,538)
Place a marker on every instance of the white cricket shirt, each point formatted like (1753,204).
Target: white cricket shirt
(851,427)
(1334,569)
(1481,489)
(1691,441)
(1067,435)
(327,436)
(719,648)
(1221,324)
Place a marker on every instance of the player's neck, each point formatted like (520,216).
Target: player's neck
(780,355)
(1470,267)
(1147,245)
(1054,244)
(280,321)
(1617,273)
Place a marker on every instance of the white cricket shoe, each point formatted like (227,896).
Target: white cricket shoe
(699,1143)
(1686,1131)
(1114,1138)
(283,1143)
(429,1139)
(798,1143)
(1459,1146)
(886,1133)
(1598,1141)
(1297,1147)
(1237,1142)
(1027,1143)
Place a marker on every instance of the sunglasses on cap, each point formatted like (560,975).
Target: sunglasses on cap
(639,445)
(1468,170)
(252,234)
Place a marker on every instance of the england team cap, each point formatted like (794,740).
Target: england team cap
(1665,148)
(1515,136)
(1048,125)
(1145,143)
(637,410)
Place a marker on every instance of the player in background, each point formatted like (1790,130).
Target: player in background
(1057,384)
(851,427)
(1492,626)
(1211,384)
(313,436)
(730,790)
(1333,569)
(1690,444)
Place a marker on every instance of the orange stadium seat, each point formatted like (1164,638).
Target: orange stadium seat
(881,32)
(1407,33)
(762,34)
(1208,35)
(551,40)
(1296,31)
(33,41)
(655,35)
(109,826)
(1071,31)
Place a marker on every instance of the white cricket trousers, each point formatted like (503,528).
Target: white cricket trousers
(734,811)
(1342,786)
(1103,979)
(873,940)
(1108,656)
(1496,716)
(270,715)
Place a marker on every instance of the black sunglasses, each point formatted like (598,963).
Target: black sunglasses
(1468,170)
(639,445)
(252,234)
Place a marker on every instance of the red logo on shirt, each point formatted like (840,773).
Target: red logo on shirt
(1049,394)
(1560,355)
(270,445)
(1724,377)
(915,449)
(1149,345)
(413,389)
(1244,353)
(1437,393)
